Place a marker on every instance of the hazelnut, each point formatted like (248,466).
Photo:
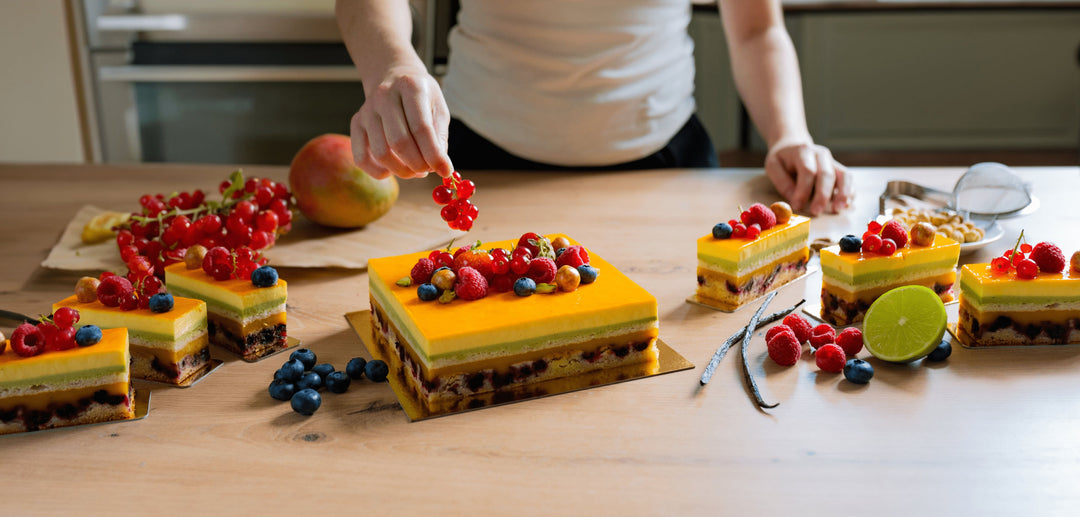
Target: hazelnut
(444,279)
(782,211)
(1075,261)
(922,234)
(560,242)
(86,289)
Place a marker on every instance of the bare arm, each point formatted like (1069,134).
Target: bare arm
(402,126)
(767,77)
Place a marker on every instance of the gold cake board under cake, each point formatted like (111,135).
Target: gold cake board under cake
(966,341)
(669,361)
(693,298)
(212,365)
(141,403)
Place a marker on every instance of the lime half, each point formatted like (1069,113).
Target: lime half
(904,324)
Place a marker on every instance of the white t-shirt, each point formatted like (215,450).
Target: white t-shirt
(572,82)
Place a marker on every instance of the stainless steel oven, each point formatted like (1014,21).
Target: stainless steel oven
(223,82)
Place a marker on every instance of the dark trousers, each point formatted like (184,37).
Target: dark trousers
(689,148)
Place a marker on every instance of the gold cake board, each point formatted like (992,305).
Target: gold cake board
(693,298)
(191,380)
(669,361)
(141,409)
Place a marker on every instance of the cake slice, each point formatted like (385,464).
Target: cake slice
(1003,309)
(82,385)
(468,353)
(734,269)
(852,279)
(243,318)
(168,347)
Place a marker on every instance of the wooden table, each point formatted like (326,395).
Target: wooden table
(987,432)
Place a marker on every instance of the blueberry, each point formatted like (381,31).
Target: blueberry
(524,287)
(355,368)
(850,244)
(941,353)
(306,401)
(721,231)
(291,370)
(588,273)
(858,371)
(323,369)
(310,380)
(559,252)
(427,292)
(88,335)
(338,382)
(264,276)
(305,356)
(281,389)
(377,370)
(161,302)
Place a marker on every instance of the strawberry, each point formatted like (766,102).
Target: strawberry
(531,242)
(573,256)
(477,259)
(471,285)
(1049,257)
(762,215)
(895,230)
(542,270)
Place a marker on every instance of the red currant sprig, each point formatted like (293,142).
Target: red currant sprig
(454,193)
(1016,259)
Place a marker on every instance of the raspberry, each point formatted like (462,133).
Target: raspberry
(1049,257)
(800,326)
(784,349)
(762,216)
(895,230)
(112,288)
(573,256)
(471,285)
(850,339)
(822,335)
(776,330)
(830,358)
(542,270)
(27,340)
(421,272)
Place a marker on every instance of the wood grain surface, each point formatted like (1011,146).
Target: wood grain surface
(989,432)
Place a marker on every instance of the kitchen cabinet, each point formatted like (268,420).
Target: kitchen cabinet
(927,79)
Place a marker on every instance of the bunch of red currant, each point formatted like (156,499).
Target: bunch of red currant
(1028,261)
(251,214)
(454,193)
(222,264)
(51,334)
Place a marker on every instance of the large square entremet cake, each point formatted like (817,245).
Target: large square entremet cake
(505,340)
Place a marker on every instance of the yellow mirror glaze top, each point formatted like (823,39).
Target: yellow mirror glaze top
(185,313)
(742,251)
(980,280)
(439,330)
(942,251)
(110,352)
(235,293)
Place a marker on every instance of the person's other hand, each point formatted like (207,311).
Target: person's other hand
(808,177)
(402,127)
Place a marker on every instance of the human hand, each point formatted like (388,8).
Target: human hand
(807,176)
(402,127)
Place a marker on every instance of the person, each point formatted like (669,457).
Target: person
(579,84)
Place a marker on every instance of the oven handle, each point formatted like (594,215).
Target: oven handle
(232,74)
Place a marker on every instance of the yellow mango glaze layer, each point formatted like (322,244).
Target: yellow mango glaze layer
(109,357)
(236,298)
(504,323)
(980,287)
(736,257)
(185,322)
(856,271)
